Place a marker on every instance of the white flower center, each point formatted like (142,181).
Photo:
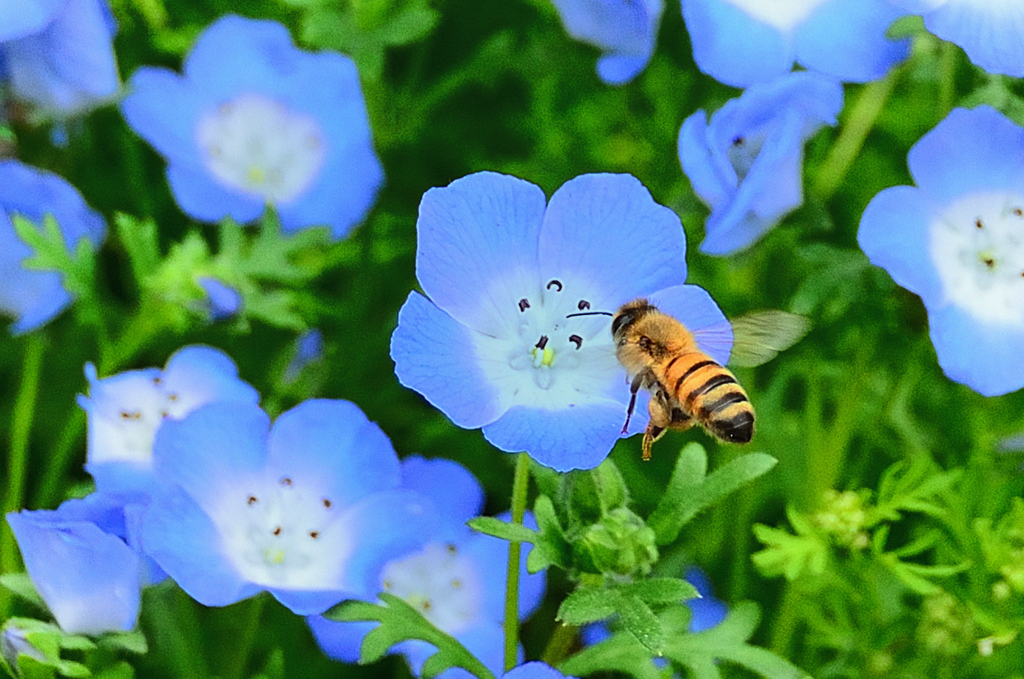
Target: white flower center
(438,581)
(131,410)
(744,149)
(259,146)
(550,359)
(977,246)
(781,14)
(284,535)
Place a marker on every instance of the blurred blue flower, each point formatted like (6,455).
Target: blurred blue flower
(535,670)
(457,580)
(35,297)
(125,411)
(747,164)
(254,121)
(309,509)
(492,347)
(223,300)
(743,42)
(309,348)
(989,32)
(58,55)
(81,564)
(625,30)
(957,240)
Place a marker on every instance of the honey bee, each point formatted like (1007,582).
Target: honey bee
(687,385)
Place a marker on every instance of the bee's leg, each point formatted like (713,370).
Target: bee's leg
(660,418)
(638,382)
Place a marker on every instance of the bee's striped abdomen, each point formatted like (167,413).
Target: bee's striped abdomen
(710,392)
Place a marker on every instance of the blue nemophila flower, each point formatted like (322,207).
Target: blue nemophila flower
(254,121)
(81,564)
(989,32)
(535,670)
(743,42)
(223,300)
(494,346)
(957,240)
(625,30)
(747,164)
(35,297)
(457,579)
(58,55)
(125,410)
(309,509)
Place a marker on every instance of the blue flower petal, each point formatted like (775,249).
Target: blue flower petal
(713,178)
(18,19)
(433,355)
(706,612)
(625,30)
(69,65)
(985,357)
(201,198)
(846,39)
(230,56)
(89,579)
(535,670)
(455,492)
(146,111)
(224,301)
(210,447)
(476,254)
(570,438)
(988,32)
(984,145)
(199,374)
(186,544)
(894,234)
(384,526)
(733,47)
(619,69)
(332,445)
(581,243)
(341,641)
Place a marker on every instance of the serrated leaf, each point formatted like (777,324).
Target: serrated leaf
(661,590)
(51,253)
(140,241)
(130,642)
(503,530)
(681,502)
(619,653)
(399,622)
(588,604)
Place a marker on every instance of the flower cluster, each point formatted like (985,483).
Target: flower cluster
(497,342)
(957,240)
(35,297)
(58,55)
(254,121)
(195,483)
(744,42)
(747,164)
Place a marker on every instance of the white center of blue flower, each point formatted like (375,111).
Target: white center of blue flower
(284,534)
(549,359)
(977,246)
(781,14)
(257,145)
(438,581)
(744,149)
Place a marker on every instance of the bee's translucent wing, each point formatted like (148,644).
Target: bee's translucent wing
(715,340)
(758,337)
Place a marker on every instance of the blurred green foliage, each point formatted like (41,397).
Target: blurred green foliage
(889,539)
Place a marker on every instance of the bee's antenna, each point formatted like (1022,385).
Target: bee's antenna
(591,313)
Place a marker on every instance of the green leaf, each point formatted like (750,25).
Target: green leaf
(128,642)
(398,622)
(588,604)
(684,497)
(790,555)
(21,585)
(552,549)
(661,590)
(503,530)
(638,618)
(140,241)
(51,253)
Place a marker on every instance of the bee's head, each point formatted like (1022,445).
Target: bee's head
(627,315)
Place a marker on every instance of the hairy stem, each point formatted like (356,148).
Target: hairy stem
(519,488)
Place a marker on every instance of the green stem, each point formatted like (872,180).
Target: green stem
(519,487)
(561,641)
(56,466)
(239,658)
(21,429)
(861,119)
(785,622)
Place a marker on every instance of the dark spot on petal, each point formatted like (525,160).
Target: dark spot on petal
(738,140)
(524,304)
(286,481)
(978,223)
(452,549)
(277,531)
(314,534)
(456,584)
(327,503)
(157,381)
(387,584)
(251,500)
(557,283)
(577,340)
(542,342)
(584,304)
(426,605)
(1018,212)
(172,397)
